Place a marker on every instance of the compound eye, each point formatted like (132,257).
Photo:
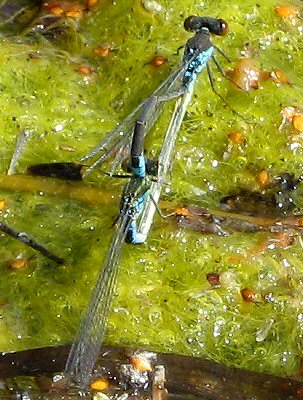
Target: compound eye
(190,24)
(223,27)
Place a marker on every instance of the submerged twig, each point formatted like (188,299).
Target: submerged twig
(23,238)
(74,191)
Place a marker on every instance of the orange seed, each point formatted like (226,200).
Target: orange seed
(287,12)
(182,211)
(57,10)
(213,279)
(51,4)
(83,69)
(300,223)
(158,60)
(236,137)
(2,204)
(283,239)
(99,385)
(103,50)
(91,3)
(279,76)
(297,122)
(18,263)
(74,14)
(246,74)
(248,295)
(141,364)
(263,178)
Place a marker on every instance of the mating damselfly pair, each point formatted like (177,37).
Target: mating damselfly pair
(141,193)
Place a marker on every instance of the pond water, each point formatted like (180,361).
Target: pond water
(164,300)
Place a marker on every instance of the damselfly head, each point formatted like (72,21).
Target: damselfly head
(215,26)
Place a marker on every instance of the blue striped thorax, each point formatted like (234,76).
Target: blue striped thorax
(198,51)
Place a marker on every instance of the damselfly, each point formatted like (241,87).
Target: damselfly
(198,51)
(89,338)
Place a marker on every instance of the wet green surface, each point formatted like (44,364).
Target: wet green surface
(164,301)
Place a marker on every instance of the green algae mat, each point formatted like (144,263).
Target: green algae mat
(233,297)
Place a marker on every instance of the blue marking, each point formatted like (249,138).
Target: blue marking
(138,166)
(196,66)
(132,236)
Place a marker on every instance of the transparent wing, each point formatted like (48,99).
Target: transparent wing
(165,161)
(117,142)
(88,341)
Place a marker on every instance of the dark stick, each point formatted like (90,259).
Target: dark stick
(22,237)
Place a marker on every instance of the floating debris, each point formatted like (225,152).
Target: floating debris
(263,178)
(22,139)
(157,61)
(280,240)
(24,238)
(18,263)
(99,385)
(263,331)
(3,204)
(279,77)
(294,116)
(84,70)
(103,51)
(287,12)
(151,6)
(248,295)
(247,75)
(15,15)
(237,137)
(213,279)
(277,200)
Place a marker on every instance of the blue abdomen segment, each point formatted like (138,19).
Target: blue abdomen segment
(138,166)
(132,236)
(196,65)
